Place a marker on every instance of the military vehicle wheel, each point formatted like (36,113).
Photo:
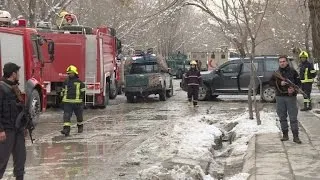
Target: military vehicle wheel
(130,98)
(162,95)
(179,74)
(170,92)
(34,106)
(268,93)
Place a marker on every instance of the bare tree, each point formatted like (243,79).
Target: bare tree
(314,8)
(35,10)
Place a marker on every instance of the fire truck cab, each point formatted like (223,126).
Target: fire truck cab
(22,46)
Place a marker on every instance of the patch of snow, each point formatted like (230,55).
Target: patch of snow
(246,128)
(240,176)
(188,142)
(184,172)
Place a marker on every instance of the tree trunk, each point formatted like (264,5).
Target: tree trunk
(250,97)
(314,8)
(254,77)
(32,15)
(307,35)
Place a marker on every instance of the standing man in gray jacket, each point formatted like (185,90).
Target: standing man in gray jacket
(286,97)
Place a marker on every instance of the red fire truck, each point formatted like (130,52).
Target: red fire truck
(22,45)
(93,51)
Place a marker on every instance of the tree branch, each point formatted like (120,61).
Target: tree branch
(20,8)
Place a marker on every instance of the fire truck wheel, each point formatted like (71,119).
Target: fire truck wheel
(113,91)
(162,94)
(35,106)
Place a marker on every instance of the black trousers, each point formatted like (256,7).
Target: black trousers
(307,87)
(193,92)
(69,109)
(15,145)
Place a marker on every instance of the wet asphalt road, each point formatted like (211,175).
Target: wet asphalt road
(109,134)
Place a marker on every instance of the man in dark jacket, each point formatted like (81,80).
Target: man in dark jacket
(12,139)
(73,95)
(286,97)
(307,74)
(193,80)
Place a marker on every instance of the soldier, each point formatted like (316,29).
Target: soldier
(307,73)
(193,80)
(286,98)
(12,136)
(72,98)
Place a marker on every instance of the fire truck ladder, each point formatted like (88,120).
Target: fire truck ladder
(91,89)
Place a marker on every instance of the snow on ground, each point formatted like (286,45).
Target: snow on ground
(186,145)
(246,128)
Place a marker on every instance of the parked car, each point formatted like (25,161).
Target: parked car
(146,75)
(233,78)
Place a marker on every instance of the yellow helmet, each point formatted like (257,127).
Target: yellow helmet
(303,54)
(72,69)
(63,13)
(193,63)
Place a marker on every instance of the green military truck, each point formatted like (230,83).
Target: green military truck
(178,64)
(147,74)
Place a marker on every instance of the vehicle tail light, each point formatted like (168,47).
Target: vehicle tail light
(93,86)
(22,23)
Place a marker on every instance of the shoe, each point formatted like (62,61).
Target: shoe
(66,130)
(80,128)
(310,106)
(297,140)
(305,108)
(285,136)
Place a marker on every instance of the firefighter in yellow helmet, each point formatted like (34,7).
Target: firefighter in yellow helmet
(64,18)
(73,94)
(193,80)
(307,74)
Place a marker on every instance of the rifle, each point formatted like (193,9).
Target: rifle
(291,84)
(24,115)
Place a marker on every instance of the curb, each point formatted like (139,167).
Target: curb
(249,165)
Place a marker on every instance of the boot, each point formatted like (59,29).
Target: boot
(66,130)
(285,136)
(297,140)
(19,177)
(80,128)
(310,106)
(305,108)
(195,104)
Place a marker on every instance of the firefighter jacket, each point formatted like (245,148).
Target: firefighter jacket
(288,73)
(307,72)
(73,90)
(193,77)
(10,106)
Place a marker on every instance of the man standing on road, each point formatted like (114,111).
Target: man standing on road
(72,98)
(286,98)
(12,138)
(193,80)
(307,73)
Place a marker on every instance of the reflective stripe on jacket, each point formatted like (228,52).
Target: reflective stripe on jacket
(307,72)
(73,90)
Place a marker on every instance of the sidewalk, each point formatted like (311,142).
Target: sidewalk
(270,159)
